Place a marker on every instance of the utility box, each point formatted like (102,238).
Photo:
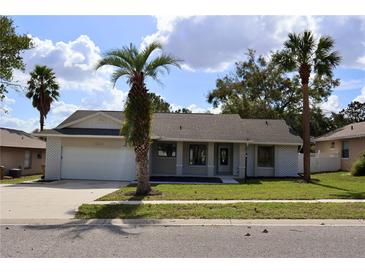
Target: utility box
(15,172)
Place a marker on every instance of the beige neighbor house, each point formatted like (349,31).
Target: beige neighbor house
(347,142)
(21,150)
(88,145)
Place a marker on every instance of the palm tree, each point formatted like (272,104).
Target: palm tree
(306,55)
(43,90)
(136,66)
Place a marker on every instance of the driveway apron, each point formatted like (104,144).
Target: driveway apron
(55,200)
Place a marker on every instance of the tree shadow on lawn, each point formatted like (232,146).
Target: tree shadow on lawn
(348,195)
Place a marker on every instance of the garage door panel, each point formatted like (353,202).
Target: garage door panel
(95,163)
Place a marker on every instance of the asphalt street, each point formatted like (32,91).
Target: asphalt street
(181,241)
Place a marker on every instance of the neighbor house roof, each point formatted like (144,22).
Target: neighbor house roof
(17,138)
(194,127)
(355,130)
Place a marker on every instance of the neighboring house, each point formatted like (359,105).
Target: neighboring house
(87,145)
(347,142)
(19,149)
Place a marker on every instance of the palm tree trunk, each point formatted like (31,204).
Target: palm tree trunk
(138,115)
(41,120)
(41,102)
(306,133)
(143,185)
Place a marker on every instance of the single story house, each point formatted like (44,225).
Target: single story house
(88,145)
(347,142)
(21,150)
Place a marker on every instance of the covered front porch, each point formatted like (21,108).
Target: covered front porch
(188,158)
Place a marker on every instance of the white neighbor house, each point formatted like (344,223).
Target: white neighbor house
(88,145)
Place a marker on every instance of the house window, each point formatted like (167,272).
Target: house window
(265,156)
(27,159)
(332,144)
(166,150)
(197,154)
(223,157)
(345,149)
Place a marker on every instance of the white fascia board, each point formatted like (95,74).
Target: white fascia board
(79,136)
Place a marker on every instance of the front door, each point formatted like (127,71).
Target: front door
(224,159)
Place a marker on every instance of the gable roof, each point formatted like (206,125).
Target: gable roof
(17,138)
(82,114)
(194,127)
(355,130)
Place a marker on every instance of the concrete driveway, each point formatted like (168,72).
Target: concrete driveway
(55,200)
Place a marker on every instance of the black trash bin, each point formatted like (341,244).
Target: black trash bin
(15,172)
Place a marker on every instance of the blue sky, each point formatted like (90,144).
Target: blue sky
(209,46)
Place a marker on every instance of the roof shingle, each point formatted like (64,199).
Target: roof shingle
(17,138)
(198,127)
(355,130)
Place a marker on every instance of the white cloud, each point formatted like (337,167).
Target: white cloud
(349,35)
(110,99)
(74,65)
(5,105)
(351,84)
(196,109)
(361,97)
(331,105)
(212,43)
(28,125)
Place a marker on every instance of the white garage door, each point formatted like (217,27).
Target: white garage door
(95,163)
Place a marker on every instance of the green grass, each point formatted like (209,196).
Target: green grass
(20,180)
(337,185)
(227,211)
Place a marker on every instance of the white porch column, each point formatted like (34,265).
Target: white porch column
(211,159)
(241,167)
(179,158)
(53,158)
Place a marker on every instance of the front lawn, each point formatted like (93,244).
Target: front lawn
(225,211)
(336,185)
(21,179)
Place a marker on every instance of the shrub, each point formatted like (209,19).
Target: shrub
(358,168)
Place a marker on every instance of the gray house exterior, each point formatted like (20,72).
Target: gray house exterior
(87,145)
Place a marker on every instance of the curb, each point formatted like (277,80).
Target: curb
(187,222)
(156,202)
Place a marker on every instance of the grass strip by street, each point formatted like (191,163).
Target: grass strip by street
(224,211)
(337,185)
(21,179)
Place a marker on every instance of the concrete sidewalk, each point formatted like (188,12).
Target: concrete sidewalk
(224,201)
(185,222)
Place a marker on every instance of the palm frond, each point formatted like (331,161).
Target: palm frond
(161,64)
(119,73)
(116,58)
(146,53)
(324,58)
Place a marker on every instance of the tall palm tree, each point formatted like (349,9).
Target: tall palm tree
(136,66)
(309,57)
(43,90)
